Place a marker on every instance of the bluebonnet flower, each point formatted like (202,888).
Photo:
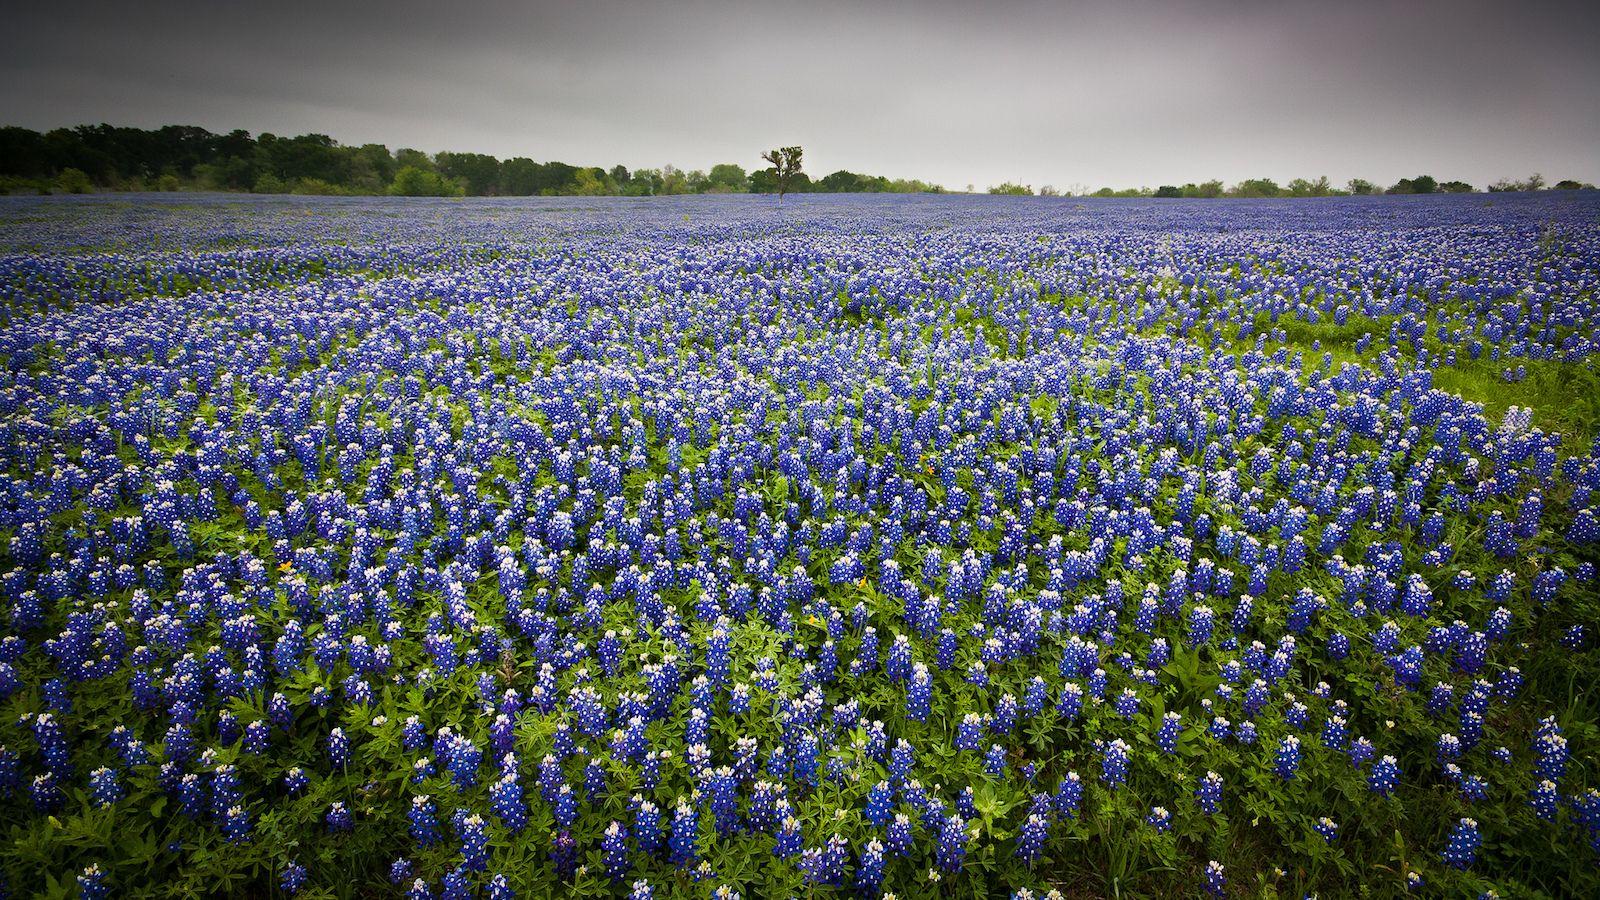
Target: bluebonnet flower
(684,836)
(1385,776)
(474,843)
(614,848)
(1114,763)
(869,870)
(825,865)
(338,749)
(339,817)
(1462,847)
(969,732)
(104,789)
(1159,819)
(1167,735)
(505,798)
(92,883)
(293,878)
(236,825)
(788,838)
(1209,793)
(424,822)
(880,804)
(1544,799)
(1031,838)
(898,835)
(995,761)
(1068,796)
(400,871)
(950,849)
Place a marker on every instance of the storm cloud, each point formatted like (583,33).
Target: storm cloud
(1087,94)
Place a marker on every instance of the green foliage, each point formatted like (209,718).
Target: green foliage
(269,183)
(316,187)
(1301,187)
(1012,189)
(1533,182)
(784,167)
(179,157)
(73,181)
(1255,187)
(479,172)
(11,184)
(1422,184)
(414,182)
(1123,192)
(591,182)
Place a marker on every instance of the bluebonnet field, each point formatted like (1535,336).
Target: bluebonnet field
(671,548)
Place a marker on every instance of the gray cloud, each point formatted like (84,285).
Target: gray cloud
(1120,93)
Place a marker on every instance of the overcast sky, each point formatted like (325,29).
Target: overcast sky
(1121,93)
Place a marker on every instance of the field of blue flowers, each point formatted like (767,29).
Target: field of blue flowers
(942,546)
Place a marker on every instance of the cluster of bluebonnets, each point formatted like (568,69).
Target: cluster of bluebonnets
(710,548)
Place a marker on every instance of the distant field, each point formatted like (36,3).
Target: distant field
(687,547)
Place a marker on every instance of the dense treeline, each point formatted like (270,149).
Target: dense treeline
(185,157)
(1299,187)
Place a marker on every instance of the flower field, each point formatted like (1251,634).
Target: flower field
(941,546)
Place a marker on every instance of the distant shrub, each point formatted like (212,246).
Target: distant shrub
(10,184)
(412,181)
(1207,189)
(270,184)
(1533,183)
(73,181)
(1422,184)
(1256,187)
(317,187)
(1302,187)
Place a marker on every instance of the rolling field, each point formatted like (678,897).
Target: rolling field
(944,546)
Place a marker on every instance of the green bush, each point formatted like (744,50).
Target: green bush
(270,184)
(73,181)
(317,187)
(1012,190)
(411,181)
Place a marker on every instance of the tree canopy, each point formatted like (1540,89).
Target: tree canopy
(785,168)
(187,157)
(173,157)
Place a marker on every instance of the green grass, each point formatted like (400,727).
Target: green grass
(1564,397)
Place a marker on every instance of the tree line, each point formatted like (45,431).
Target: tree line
(186,157)
(1299,187)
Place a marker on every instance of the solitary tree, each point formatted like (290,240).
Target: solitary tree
(785,166)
